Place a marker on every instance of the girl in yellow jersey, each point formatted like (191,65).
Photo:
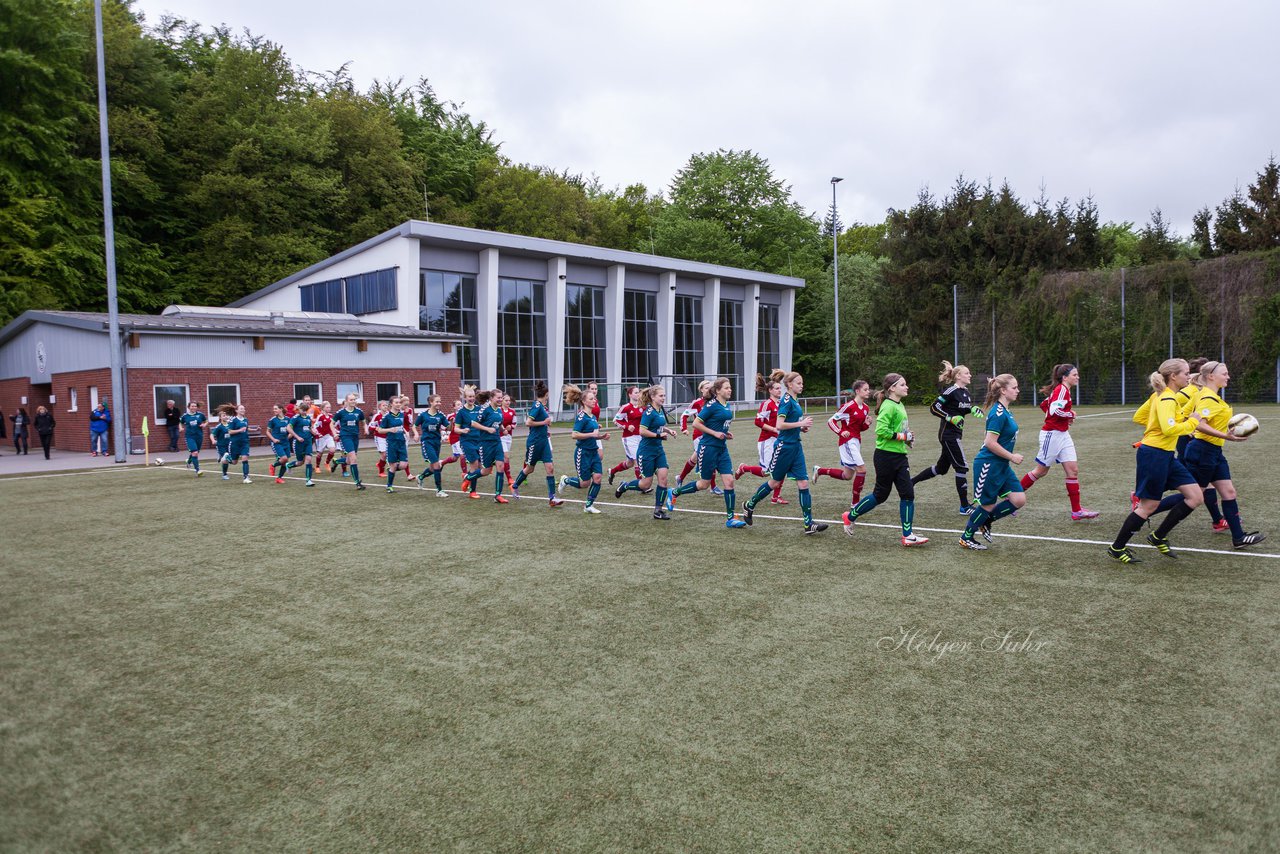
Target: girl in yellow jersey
(1204,457)
(1158,468)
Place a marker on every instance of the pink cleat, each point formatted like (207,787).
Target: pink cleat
(1083,513)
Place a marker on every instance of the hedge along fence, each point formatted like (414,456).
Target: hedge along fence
(1116,324)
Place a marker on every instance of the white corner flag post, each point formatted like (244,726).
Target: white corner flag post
(146,442)
(119,398)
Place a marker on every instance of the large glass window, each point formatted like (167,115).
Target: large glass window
(639,338)
(322,296)
(731,346)
(768,355)
(522,336)
(447,303)
(371,292)
(162,394)
(687,349)
(221,394)
(584,335)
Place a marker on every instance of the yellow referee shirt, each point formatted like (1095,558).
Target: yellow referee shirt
(1215,412)
(1165,422)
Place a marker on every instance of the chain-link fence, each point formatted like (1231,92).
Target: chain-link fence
(1117,326)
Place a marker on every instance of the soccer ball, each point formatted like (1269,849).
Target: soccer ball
(159,461)
(1243,424)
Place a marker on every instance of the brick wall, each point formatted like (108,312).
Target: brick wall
(72,432)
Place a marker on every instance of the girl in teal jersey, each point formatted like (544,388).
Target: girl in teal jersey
(238,429)
(278,432)
(788,455)
(489,425)
(431,425)
(650,454)
(997,490)
(349,418)
(893,439)
(713,421)
(538,445)
(193,425)
(392,428)
(586,452)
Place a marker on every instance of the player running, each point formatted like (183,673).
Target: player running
(848,423)
(431,424)
(220,436)
(713,422)
(651,456)
(193,421)
(1056,444)
(349,418)
(893,440)
(238,430)
(788,455)
(586,453)
(628,418)
(391,428)
(767,420)
(537,445)
(489,449)
(278,434)
(686,420)
(950,408)
(997,492)
(300,431)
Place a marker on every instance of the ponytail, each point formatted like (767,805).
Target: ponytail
(572,394)
(997,384)
(1059,371)
(646,395)
(949,371)
(890,380)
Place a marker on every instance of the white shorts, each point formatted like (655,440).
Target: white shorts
(631,446)
(696,443)
(380,442)
(456,447)
(851,454)
(766,452)
(506,446)
(1056,446)
(324,444)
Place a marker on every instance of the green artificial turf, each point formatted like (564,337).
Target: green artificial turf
(193,664)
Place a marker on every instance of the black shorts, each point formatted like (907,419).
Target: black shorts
(892,471)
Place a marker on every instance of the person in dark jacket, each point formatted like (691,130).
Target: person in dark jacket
(3,434)
(21,426)
(172,419)
(44,425)
(99,424)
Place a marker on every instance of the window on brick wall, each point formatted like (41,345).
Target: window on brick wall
(345,389)
(422,391)
(386,391)
(74,401)
(301,390)
(220,394)
(165,393)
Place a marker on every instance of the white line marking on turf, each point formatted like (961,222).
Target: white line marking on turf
(76,473)
(1105,414)
(793,519)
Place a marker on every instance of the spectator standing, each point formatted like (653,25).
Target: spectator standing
(99,424)
(172,417)
(21,425)
(44,425)
(3,434)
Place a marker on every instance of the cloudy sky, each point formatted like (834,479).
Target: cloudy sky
(1140,103)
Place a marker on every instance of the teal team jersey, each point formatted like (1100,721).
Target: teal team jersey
(301,425)
(349,421)
(653,419)
(789,412)
(462,421)
(431,425)
(193,422)
(491,417)
(221,437)
(240,439)
(538,412)
(1000,421)
(718,417)
(278,427)
(390,420)
(586,423)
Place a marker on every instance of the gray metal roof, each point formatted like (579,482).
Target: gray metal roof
(208,322)
(458,237)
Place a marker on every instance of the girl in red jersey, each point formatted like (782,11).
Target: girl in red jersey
(848,423)
(689,415)
(379,440)
(767,420)
(455,438)
(326,441)
(628,418)
(1056,445)
(508,434)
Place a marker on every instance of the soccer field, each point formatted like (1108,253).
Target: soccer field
(199,664)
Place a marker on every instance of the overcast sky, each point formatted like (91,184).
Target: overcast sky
(1143,104)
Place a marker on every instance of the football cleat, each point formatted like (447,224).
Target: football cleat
(747,513)
(310,483)
(226,477)
(475,495)
(1161,544)
(661,515)
(973,545)
(715,490)
(440,493)
(914,540)
(985,531)
(777,500)
(817,473)
(420,478)
(1124,555)
(848,522)
(279,480)
(1083,513)
(617,493)
(611,477)
(671,501)
(591,508)
(500,499)
(1249,539)
(247,480)
(966,510)
(391,489)
(359,486)
(734,523)
(555,502)
(564,481)
(1221,526)
(815,528)
(199,473)
(737,473)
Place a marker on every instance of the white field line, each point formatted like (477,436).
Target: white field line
(791,519)
(76,473)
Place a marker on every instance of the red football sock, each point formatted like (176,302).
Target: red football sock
(1073,492)
(859,478)
(506,468)
(622,466)
(1028,479)
(838,474)
(444,463)
(755,470)
(688,467)
(777,491)
(382,466)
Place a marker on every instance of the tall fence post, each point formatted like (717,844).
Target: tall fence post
(993,340)
(1124,368)
(955,323)
(1171,320)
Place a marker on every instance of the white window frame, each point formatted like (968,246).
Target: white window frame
(160,419)
(340,395)
(395,383)
(430,391)
(319,395)
(93,397)
(208,398)
(75,402)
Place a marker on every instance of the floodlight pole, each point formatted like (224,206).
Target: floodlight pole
(835,257)
(119,403)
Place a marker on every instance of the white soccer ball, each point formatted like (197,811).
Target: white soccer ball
(159,461)
(1243,424)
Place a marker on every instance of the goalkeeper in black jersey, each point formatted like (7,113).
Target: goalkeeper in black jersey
(950,408)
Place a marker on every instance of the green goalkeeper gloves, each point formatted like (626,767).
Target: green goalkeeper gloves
(957,421)
(976,412)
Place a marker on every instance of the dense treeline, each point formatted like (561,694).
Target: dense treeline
(233,168)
